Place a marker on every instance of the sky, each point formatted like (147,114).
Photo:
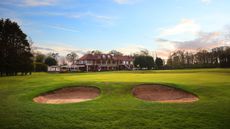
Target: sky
(161,26)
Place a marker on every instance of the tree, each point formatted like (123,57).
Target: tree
(115,52)
(149,62)
(39,62)
(202,57)
(227,53)
(71,57)
(39,57)
(177,59)
(224,58)
(144,62)
(50,61)
(53,55)
(159,63)
(15,50)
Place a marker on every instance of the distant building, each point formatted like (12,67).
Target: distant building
(63,68)
(103,62)
(97,62)
(54,68)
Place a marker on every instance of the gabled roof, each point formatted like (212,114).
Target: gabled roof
(106,56)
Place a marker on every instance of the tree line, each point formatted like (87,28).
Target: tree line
(218,57)
(143,60)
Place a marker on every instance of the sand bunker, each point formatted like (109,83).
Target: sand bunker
(68,95)
(162,93)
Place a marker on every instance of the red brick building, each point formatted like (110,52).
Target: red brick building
(103,62)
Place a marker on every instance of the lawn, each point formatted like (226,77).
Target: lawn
(116,108)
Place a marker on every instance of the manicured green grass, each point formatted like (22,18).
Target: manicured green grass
(116,107)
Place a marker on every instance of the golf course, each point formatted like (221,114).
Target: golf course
(115,106)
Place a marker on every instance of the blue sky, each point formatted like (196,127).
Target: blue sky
(126,25)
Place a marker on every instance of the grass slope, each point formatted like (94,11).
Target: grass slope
(116,107)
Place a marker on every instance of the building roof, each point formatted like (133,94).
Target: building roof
(106,57)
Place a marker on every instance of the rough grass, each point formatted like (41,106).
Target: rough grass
(116,107)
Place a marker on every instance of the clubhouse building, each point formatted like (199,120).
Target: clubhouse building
(104,62)
(97,62)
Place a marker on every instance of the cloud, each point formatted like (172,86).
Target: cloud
(43,49)
(78,15)
(203,41)
(38,2)
(61,49)
(131,49)
(134,48)
(206,1)
(101,18)
(59,27)
(162,54)
(29,3)
(185,26)
(121,1)
(125,1)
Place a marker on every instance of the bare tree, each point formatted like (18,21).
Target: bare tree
(115,52)
(144,52)
(71,57)
(53,55)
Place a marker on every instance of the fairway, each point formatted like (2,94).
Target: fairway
(116,107)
